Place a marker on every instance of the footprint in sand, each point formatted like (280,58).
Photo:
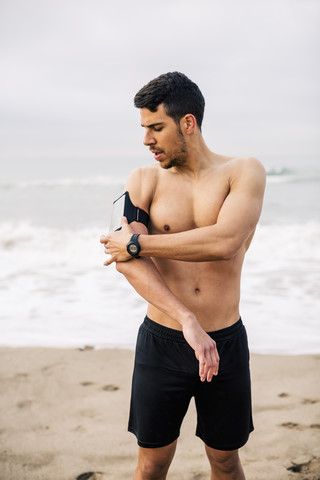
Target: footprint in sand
(307,464)
(290,425)
(110,388)
(106,388)
(309,401)
(304,401)
(24,404)
(80,429)
(296,425)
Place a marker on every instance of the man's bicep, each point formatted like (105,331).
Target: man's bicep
(140,228)
(241,209)
(139,185)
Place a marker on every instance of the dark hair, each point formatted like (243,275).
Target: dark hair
(178,94)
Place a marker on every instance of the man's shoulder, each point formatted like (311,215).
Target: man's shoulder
(145,173)
(248,173)
(141,184)
(243,163)
(244,166)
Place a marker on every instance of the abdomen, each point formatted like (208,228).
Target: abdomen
(211,290)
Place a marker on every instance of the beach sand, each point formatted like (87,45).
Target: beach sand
(64,415)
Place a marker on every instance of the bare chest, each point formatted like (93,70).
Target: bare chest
(180,205)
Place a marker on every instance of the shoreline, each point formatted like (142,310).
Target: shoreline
(64,413)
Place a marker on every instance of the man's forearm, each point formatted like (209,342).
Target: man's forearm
(204,244)
(145,278)
(143,275)
(222,240)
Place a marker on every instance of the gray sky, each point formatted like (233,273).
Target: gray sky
(70,69)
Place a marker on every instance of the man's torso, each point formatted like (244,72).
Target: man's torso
(211,290)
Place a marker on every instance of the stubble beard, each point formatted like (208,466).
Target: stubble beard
(179,158)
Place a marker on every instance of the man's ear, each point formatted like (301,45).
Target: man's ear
(188,123)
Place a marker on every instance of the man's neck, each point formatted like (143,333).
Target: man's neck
(200,159)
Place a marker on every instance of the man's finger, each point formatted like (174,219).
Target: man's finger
(202,368)
(213,366)
(110,260)
(217,360)
(210,374)
(103,239)
(123,221)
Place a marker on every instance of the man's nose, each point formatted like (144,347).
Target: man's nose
(149,139)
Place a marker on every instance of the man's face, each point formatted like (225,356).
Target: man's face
(164,138)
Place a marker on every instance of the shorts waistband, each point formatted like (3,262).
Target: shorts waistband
(177,335)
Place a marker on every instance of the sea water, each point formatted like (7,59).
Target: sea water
(55,291)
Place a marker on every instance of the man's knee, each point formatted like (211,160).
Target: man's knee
(152,470)
(225,461)
(153,464)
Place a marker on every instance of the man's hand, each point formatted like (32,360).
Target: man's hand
(116,243)
(204,347)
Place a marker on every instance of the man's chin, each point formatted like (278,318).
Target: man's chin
(173,163)
(166,166)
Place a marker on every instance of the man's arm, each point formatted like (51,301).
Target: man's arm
(143,275)
(145,278)
(237,220)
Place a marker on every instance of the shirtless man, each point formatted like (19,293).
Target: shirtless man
(203,209)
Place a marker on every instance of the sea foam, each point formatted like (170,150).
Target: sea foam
(55,290)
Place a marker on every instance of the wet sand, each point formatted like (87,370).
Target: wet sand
(63,416)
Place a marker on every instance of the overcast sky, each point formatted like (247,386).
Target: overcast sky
(70,69)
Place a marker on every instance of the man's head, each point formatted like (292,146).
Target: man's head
(178,94)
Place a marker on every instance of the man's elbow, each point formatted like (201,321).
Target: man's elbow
(122,267)
(227,250)
(128,268)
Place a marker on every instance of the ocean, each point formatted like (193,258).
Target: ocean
(56,292)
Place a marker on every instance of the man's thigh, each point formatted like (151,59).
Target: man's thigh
(161,389)
(224,405)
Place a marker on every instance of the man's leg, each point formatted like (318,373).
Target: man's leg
(154,463)
(225,465)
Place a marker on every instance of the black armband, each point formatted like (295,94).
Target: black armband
(123,207)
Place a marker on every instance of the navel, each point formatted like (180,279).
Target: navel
(166,227)
(197,290)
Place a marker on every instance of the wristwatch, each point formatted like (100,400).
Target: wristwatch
(133,246)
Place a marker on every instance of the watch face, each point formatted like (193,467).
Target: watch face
(133,249)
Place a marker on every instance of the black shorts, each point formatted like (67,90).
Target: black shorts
(166,376)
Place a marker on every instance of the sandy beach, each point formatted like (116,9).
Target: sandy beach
(64,416)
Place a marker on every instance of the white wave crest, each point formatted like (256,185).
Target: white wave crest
(97,181)
(53,280)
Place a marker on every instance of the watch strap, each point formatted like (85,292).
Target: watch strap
(135,237)
(134,240)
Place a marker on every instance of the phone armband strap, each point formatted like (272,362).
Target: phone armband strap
(133,213)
